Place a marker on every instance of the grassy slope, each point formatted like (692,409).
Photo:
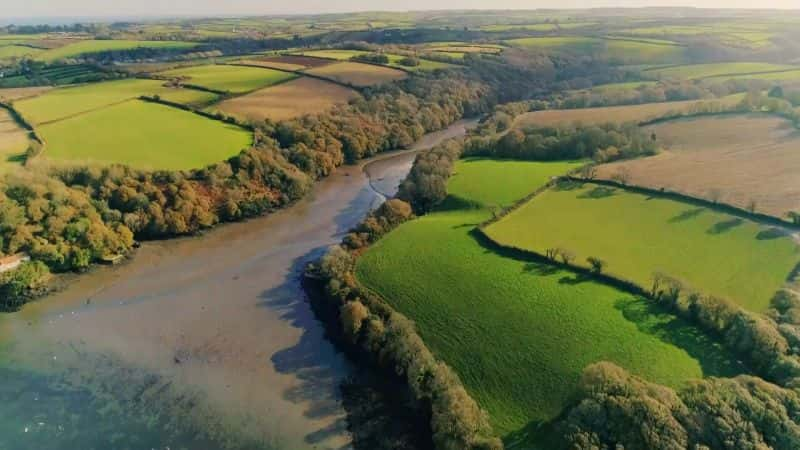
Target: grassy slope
(627,51)
(17,51)
(60,103)
(697,71)
(638,235)
(13,142)
(144,135)
(517,333)
(94,46)
(235,79)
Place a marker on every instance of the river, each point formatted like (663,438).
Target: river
(197,343)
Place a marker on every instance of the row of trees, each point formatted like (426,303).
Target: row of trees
(390,340)
(617,410)
(607,142)
(664,91)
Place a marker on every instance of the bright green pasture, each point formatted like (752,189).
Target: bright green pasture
(96,46)
(337,54)
(697,71)
(143,135)
(520,333)
(714,253)
(236,79)
(65,102)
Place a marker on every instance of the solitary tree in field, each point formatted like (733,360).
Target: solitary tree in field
(597,264)
(794,216)
(566,256)
(589,172)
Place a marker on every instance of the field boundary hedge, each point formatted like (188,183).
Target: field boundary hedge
(300,73)
(35,150)
(370,327)
(752,336)
(220,118)
(668,194)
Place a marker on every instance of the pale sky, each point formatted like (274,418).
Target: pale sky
(119,8)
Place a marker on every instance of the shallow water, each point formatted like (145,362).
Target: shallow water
(197,343)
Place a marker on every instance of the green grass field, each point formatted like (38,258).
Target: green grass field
(344,55)
(96,46)
(17,51)
(698,71)
(637,235)
(236,79)
(519,333)
(143,135)
(622,51)
(783,75)
(65,102)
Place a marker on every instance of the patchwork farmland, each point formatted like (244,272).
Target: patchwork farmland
(712,252)
(562,323)
(357,74)
(288,100)
(750,161)
(234,79)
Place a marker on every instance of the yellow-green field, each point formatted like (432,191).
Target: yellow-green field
(358,74)
(714,253)
(13,141)
(95,46)
(344,55)
(235,79)
(621,51)
(519,333)
(69,101)
(143,135)
(699,71)
(17,51)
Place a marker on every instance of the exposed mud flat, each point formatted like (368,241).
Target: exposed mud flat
(204,342)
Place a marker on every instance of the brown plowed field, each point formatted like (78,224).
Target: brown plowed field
(357,74)
(288,100)
(737,159)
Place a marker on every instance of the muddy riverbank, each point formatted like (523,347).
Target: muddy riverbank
(196,343)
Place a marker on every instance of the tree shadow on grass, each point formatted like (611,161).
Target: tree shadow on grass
(568,185)
(686,215)
(651,319)
(598,192)
(536,434)
(540,269)
(771,233)
(574,279)
(725,226)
